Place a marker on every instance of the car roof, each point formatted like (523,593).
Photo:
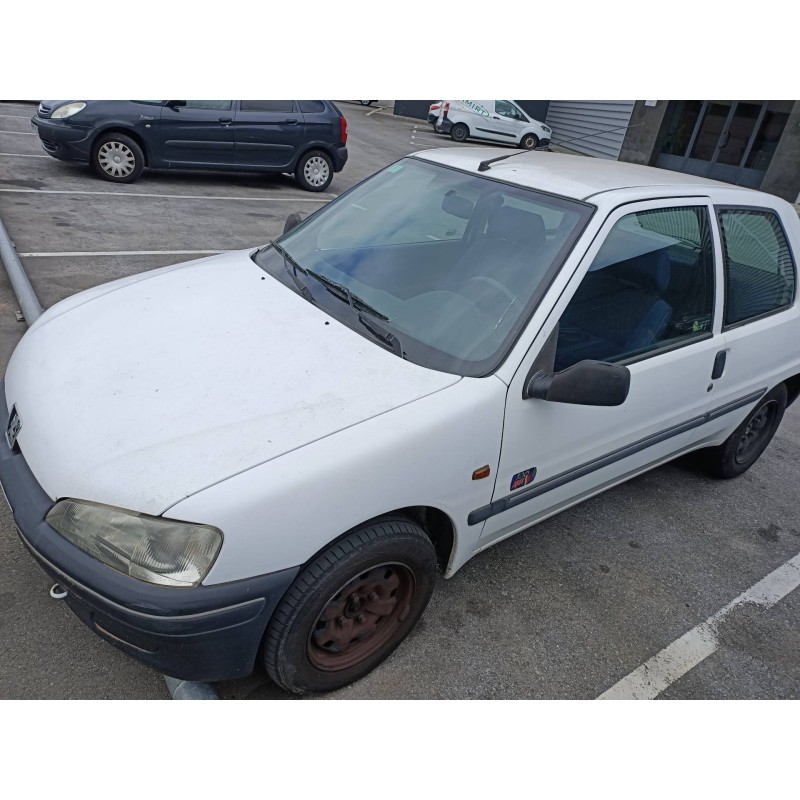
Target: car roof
(578,177)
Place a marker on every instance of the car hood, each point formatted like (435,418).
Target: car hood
(150,389)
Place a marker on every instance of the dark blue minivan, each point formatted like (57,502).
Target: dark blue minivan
(119,138)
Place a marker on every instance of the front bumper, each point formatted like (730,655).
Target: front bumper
(202,634)
(64,141)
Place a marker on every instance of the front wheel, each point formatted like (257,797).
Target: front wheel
(314,171)
(529,142)
(117,158)
(459,132)
(746,444)
(351,607)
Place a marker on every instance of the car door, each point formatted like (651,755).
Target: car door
(268,133)
(506,122)
(643,297)
(760,318)
(197,132)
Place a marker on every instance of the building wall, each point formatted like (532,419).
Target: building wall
(783,173)
(598,126)
(641,140)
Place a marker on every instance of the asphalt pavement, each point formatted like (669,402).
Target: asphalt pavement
(564,610)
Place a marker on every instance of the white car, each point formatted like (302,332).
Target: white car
(492,120)
(264,455)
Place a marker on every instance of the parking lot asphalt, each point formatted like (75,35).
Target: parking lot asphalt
(564,610)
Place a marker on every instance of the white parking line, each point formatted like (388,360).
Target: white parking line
(77,254)
(663,669)
(19,133)
(23,155)
(16,116)
(319,199)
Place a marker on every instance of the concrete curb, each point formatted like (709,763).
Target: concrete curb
(26,297)
(190,690)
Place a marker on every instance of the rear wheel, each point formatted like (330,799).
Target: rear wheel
(314,171)
(529,141)
(746,444)
(459,132)
(351,607)
(117,158)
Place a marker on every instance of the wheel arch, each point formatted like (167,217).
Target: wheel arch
(130,133)
(437,525)
(792,389)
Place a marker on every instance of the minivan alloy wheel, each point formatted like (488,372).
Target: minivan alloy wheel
(117,159)
(758,427)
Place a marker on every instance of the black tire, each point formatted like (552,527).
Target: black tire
(366,102)
(529,141)
(326,600)
(117,158)
(304,171)
(746,444)
(459,132)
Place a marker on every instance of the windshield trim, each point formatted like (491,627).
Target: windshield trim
(488,366)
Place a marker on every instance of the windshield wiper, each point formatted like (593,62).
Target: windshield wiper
(288,260)
(381,333)
(343,293)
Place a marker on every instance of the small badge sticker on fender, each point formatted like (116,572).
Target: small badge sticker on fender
(523,478)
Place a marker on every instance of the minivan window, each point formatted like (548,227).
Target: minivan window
(275,106)
(759,273)
(650,286)
(450,262)
(213,105)
(312,106)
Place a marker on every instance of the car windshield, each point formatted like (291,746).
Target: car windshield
(443,266)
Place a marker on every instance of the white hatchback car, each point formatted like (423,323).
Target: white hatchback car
(264,455)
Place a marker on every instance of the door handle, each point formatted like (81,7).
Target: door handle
(226,121)
(291,122)
(495,117)
(719,365)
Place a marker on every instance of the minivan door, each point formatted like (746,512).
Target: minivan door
(268,133)
(643,297)
(197,133)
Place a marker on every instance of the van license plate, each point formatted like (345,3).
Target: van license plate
(13,427)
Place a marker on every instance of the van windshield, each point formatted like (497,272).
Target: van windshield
(448,264)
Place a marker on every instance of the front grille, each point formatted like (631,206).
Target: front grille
(44,111)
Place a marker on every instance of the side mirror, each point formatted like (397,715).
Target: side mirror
(292,221)
(175,104)
(587,383)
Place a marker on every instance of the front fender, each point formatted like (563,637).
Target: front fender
(283,512)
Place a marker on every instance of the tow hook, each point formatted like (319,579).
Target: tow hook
(57,591)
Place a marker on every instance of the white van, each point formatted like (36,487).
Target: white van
(493,120)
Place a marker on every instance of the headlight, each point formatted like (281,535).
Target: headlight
(69,110)
(546,129)
(152,549)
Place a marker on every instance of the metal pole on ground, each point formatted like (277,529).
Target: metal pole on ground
(26,297)
(32,310)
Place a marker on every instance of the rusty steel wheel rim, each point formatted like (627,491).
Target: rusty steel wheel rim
(361,617)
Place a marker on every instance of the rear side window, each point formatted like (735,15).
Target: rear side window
(312,106)
(275,106)
(759,272)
